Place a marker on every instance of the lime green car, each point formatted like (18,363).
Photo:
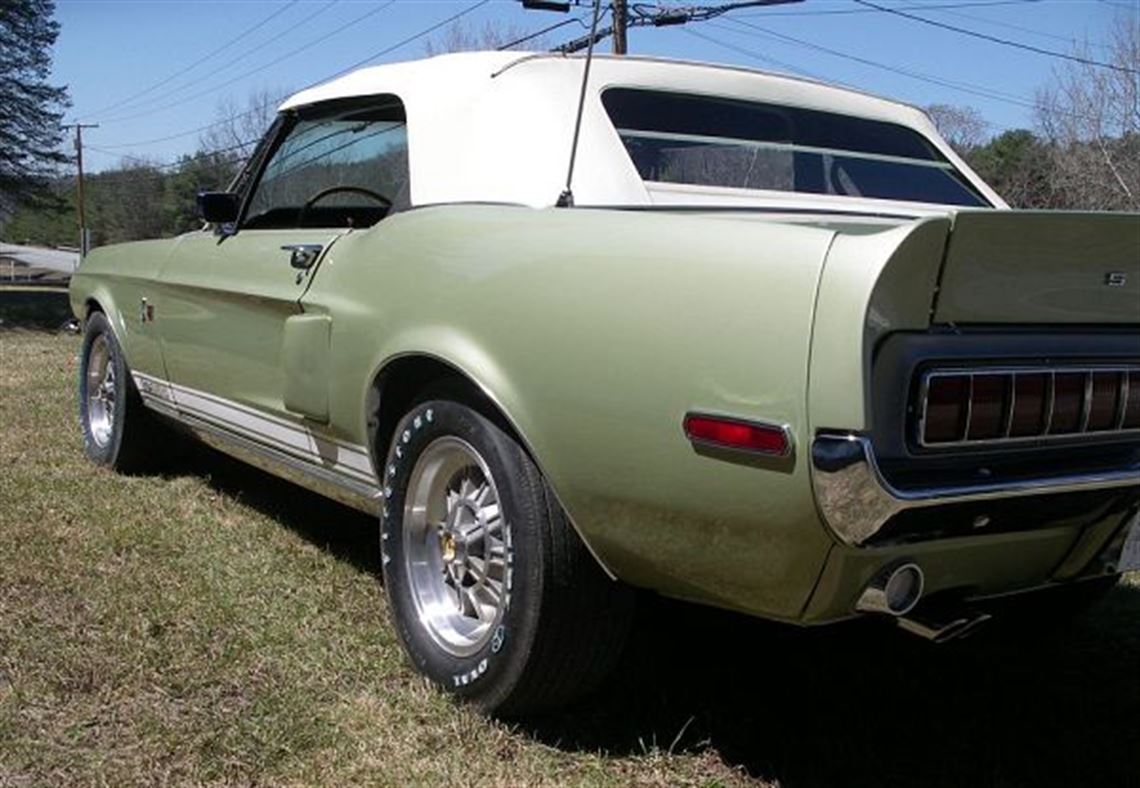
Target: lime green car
(775,349)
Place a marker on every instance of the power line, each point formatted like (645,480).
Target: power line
(996,40)
(234,61)
(663,17)
(386,50)
(251,112)
(965,87)
(292,53)
(1011,26)
(181,160)
(208,126)
(1125,6)
(398,44)
(760,57)
(199,61)
(179,135)
(921,7)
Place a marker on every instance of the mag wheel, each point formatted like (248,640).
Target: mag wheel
(492,593)
(117,430)
(456,548)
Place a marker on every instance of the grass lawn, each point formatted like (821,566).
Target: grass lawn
(214,625)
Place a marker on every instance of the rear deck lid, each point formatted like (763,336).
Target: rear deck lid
(1041,267)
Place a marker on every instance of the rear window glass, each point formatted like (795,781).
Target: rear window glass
(711,141)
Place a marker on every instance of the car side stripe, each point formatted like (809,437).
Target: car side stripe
(349,459)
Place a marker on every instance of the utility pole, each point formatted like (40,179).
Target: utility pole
(79,127)
(621,20)
(626,16)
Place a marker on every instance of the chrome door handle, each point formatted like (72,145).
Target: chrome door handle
(303,255)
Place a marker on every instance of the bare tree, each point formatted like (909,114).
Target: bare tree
(963,127)
(1091,117)
(461,37)
(237,129)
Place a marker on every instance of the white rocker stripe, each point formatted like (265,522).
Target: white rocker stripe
(343,457)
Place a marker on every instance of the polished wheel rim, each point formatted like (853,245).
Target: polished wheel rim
(100,391)
(457,546)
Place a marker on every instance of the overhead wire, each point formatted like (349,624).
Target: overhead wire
(403,42)
(233,61)
(1011,26)
(922,7)
(998,40)
(757,56)
(143,163)
(292,53)
(187,133)
(965,87)
(185,69)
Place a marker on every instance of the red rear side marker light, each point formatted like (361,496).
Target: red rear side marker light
(737,435)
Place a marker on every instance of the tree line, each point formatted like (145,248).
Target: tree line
(138,200)
(1083,152)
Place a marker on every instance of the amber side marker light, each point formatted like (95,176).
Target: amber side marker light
(737,435)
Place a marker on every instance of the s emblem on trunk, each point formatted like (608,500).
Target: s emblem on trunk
(1115,279)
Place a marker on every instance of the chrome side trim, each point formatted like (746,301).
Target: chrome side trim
(856,500)
(358,495)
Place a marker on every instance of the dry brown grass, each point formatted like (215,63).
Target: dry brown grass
(214,625)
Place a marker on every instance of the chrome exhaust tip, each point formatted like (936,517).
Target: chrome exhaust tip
(952,625)
(894,591)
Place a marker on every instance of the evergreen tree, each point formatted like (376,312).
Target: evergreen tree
(31,110)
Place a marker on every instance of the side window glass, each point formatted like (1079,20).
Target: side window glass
(340,165)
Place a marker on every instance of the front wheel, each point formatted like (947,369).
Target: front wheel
(492,593)
(117,430)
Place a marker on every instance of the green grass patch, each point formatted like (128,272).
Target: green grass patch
(215,625)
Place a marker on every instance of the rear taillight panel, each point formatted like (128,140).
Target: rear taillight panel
(963,406)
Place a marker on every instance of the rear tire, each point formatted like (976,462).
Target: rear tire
(492,593)
(118,431)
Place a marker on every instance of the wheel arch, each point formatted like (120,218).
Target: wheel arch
(91,305)
(101,300)
(407,378)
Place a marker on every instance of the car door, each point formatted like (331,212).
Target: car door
(230,316)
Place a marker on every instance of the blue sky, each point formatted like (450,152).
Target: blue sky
(149,69)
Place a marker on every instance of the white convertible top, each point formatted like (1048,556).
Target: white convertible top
(497,127)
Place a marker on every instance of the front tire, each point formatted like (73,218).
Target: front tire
(492,593)
(117,430)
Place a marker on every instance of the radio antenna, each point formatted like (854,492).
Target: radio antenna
(566,199)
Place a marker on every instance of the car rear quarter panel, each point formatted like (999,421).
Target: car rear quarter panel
(595,332)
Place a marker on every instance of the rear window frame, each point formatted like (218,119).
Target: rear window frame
(939,157)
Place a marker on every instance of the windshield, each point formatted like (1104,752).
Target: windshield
(729,143)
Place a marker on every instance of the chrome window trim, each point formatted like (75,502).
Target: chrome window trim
(856,500)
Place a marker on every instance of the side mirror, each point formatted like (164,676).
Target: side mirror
(218,207)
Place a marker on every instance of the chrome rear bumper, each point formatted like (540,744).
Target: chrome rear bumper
(856,500)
